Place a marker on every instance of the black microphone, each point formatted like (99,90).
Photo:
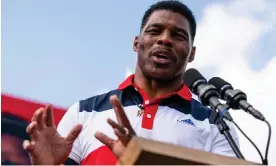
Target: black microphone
(207,94)
(236,99)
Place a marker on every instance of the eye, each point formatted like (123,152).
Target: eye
(154,31)
(180,36)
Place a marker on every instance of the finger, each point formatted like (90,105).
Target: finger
(116,125)
(40,119)
(28,145)
(34,118)
(32,130)
(116,107)
(119,111)
(73,135)
(49,116)
(109,142)
(124,138)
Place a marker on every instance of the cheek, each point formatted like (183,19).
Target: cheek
(183,53)
(141,53)
(144,49)
(141,47)
(147,42)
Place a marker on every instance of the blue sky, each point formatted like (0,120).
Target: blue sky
(63,51)
(66,50)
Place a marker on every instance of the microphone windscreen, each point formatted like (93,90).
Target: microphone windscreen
(190,76)
(218,82)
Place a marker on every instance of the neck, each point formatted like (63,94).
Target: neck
(156,88)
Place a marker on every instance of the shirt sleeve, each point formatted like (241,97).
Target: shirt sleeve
(220,145)
(70,120)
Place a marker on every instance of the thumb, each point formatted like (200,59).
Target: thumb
(74,133)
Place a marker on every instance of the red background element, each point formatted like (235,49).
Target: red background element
(25,109)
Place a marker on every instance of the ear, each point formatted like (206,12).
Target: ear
(136,44)
(192,56)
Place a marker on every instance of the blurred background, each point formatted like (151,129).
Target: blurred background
(63,51)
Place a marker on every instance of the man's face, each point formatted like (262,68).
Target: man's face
(164,46)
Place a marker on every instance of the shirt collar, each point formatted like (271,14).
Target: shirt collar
(184,92)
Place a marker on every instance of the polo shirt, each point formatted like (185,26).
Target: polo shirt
(176,118)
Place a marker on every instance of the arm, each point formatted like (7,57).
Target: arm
(69,120)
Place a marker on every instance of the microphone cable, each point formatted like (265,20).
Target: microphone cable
(268,142)
(261,156)
(264,160)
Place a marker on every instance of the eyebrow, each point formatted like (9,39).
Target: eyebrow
(158,25)
(155,25)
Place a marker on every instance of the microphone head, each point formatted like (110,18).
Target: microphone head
(222,86)
(192,78)
(219,83)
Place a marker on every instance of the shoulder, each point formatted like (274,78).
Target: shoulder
(85,109)
(98,102)
(199,111)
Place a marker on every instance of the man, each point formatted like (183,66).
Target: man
(153,103)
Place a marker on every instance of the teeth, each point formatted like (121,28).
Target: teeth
(162,56)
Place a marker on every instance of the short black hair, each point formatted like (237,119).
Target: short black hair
(174,6)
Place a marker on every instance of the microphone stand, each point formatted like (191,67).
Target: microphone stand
(224,129)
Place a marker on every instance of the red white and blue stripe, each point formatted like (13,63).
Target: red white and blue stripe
(176,118)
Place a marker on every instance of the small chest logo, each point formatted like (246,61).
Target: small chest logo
(187,121)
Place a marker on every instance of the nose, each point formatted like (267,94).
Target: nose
(165,40)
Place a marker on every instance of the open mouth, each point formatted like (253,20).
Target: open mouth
(162,56)
(161,59)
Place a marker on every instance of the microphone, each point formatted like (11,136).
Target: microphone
(236,99)
(207,94)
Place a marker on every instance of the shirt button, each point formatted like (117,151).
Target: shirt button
(146,102)
(148,116)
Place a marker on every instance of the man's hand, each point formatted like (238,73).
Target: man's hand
(47,147)
(122,129)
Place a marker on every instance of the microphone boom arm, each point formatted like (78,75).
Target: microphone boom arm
(224,129)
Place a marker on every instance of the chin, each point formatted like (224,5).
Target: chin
(161,75)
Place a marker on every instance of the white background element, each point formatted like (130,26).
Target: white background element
(226,39)
(128,72)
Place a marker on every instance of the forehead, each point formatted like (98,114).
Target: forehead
(168,18)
